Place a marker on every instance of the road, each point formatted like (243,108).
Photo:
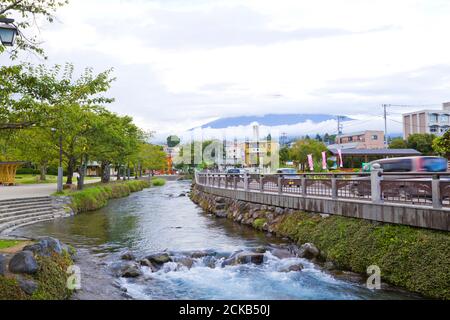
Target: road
(31,190)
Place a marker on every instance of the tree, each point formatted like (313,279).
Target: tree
(37,146)
(318,137)
(302,148)
(26,12)
(173,141)
(441,145)
(152,157)
(285,154)
(398,143)
(422,142)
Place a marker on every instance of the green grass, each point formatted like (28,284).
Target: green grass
(413,258)
(96,196)
(34,179)
(158,182)
(4,244)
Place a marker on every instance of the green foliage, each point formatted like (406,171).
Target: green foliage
(8,243)
(413,258)
(422,142)
(173,141)
(26,12)
(398,143)
(96,197)
(259,223)
(441,145)
(158,182)
(302,148)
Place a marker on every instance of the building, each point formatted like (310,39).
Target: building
(427,121)
(234,153)
(369,139)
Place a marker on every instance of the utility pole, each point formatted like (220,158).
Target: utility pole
(386,141)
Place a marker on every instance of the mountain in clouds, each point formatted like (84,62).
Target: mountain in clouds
(269,120)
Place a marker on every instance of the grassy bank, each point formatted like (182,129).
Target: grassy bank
(158,182)
(4,244)
(96,196)
(51,279)
(416,259)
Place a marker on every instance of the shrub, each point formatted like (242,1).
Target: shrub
(158,182)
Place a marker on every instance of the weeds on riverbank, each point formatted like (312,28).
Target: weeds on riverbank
(97,196)
(413,258)
(158,182)
(51,280)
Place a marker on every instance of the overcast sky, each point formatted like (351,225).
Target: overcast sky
(182,63)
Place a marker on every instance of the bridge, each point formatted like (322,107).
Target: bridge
(415,199)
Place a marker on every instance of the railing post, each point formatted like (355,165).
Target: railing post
(234,182)
(436,192)
(304,191)
(207,179)
(334,193)
(375,183)
(280,185)
(261,183)
(246,181)
(226,181)
(219,178)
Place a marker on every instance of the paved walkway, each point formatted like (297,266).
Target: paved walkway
(30,190)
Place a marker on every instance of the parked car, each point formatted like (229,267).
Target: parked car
(236,171)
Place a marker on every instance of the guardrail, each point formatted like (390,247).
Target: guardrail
(414,188)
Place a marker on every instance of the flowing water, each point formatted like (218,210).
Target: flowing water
(158,219)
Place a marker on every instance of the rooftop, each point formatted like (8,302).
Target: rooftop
(377,152)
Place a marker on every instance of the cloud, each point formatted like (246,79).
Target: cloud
(182,63)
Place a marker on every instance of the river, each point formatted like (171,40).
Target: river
(158,219)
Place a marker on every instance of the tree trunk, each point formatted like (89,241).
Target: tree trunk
(70,170)
(82,172)
(105,172)
(43,169)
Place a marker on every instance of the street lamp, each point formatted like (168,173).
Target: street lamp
(60,167)
(8,32)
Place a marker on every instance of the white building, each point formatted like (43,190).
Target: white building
(427,121)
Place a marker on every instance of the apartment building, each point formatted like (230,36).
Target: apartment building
(427,121)
(369,139)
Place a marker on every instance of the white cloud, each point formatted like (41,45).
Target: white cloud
(182,63)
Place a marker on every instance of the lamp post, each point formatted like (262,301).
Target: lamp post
(59,187)
(8,32)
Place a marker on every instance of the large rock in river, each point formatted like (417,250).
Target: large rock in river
(126,269)
(308,251)
(159,258)
(244,257)
(23,262)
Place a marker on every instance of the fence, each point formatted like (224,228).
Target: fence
(413,188)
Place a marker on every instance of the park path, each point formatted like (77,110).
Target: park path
(30,190)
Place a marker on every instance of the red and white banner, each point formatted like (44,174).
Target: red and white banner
(310,162)
(324,160)
(341,162)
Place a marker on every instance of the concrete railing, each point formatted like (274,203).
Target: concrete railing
(426,189)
